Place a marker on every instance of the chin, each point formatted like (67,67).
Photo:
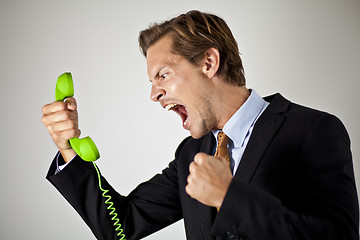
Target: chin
(198,135)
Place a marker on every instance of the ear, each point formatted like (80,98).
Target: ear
(211,62)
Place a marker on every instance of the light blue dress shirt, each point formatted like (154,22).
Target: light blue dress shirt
(240,126)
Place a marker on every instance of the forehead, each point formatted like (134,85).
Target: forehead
(159,55)
(163,43)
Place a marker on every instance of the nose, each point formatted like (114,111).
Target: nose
(157,93)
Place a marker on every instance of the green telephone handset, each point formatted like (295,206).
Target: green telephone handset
(84,147)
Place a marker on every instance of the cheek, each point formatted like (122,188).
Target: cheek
(178,88)
(175,87)
(187,86)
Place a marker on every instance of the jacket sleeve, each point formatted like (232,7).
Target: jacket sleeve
(150,207)
(328,207)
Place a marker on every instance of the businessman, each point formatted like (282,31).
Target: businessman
(253,168)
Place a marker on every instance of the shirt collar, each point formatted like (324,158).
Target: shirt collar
(237,127)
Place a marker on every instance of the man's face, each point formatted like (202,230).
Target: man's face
(181,86)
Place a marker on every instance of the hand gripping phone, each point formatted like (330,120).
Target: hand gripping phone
(84,147)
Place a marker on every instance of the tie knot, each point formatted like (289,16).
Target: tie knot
(222,149)
(222,139)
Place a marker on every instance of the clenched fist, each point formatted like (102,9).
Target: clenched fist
(209,179)
(61,121)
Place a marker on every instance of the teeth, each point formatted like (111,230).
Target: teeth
(170,106)
(185,122)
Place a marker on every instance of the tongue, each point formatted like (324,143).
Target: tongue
(182,113)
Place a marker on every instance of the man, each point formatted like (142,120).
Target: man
(287,173)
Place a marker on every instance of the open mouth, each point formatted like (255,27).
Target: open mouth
(180,110)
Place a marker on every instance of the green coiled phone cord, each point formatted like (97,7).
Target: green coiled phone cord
(110,207)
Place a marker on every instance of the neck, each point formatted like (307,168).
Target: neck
(229,98)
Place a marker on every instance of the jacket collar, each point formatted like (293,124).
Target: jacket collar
(264,131)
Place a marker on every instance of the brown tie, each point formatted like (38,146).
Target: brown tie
(221,149)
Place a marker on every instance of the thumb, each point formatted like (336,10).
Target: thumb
(71,103)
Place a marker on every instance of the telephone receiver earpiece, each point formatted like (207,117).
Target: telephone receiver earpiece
(84,147)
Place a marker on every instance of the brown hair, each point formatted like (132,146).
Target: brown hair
(195,32)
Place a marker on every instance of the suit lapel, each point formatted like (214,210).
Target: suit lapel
(208,143)
(264,130)
(205,214)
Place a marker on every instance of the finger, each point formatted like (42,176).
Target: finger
(63,136)
(190,187)
(200,158)
(62,126)
(53,107)
(59,116)
(192,167)
(188,190)
(71,103)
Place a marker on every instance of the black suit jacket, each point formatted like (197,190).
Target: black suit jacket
(295,181)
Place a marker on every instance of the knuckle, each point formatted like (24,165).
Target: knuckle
(44,120)
(200,158)
(197,158)
(50,128)
(191,165)
(193,168)
(188,190)
(43,109)
(189,179)
(201,161)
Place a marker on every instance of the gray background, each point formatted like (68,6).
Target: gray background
(307,50)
